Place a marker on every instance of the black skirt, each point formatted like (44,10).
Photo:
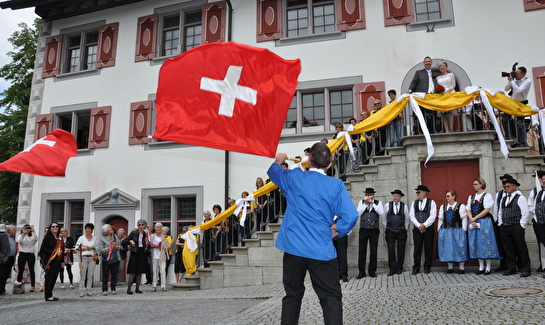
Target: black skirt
(138,262)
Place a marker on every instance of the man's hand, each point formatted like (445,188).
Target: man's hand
(334,232)
(422,228)
(510,78)
(281,158)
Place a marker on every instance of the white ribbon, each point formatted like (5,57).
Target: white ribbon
(490,111)
(423,126)
(242,204)
(541,118)
(190,240)
(348,140)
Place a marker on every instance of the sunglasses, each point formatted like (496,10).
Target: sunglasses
(51,227)
(418,192)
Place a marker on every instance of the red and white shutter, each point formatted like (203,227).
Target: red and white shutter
(213,29)
(146,38)
(100,127)
(533,4)
(351,14)
(140,122)
(398,12)
(52,56)
(44,125)
(367,93)
(107,45)
(269,20)
(539,85)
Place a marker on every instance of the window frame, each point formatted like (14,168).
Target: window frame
(67,199)
(81,31)
(447,18)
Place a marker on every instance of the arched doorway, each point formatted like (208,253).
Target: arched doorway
(119,222)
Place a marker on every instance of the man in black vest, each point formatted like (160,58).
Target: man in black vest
(513,218)
(396,223)
(499,196)
(536,205)
(369,211)
(423,213)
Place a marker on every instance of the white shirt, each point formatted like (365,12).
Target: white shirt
(433,213)
(26,243)
(523,205)
(520,88)
(532,201)
(377,207)
(84,243)
(488,202)
(462,211)
(405,210)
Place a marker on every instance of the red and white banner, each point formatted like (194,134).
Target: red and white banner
(227,96)
(46,157)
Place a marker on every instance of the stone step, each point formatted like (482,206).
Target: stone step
(264,234)
(274,227)
(383,160)
(180,286)
(251,242)
(192,280)
(534,160)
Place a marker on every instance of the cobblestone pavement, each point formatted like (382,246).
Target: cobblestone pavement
(435,298)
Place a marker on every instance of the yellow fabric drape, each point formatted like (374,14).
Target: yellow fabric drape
(189,259)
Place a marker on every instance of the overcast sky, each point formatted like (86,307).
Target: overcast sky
(9,19)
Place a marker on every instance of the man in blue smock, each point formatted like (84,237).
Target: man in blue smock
(307,231)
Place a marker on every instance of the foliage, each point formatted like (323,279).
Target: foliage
(14,103)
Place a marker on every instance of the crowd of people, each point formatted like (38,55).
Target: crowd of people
(486,227)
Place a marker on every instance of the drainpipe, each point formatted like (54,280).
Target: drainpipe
(226,190)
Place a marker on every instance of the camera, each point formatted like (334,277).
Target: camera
(28,228)
(512,73)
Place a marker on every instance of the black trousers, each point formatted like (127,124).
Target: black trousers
(24,258)
(515,246)
(68,268)
(371,236)
(327,288)
(109,269)
(396,241)
(51,275)
(539,231)
(501,250)
(422,240)
(5,271)
(341,245)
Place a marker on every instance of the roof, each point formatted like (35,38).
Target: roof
(58,9)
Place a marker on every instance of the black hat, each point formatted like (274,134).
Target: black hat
(398,192)
(422,188)
(505,176)
(540,173)
(511,181)
(369,190)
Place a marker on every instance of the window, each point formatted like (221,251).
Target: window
(318,19)
(78,124)
(342,108)
(161,211)
(69,210)
(427,10)
(186,212)
(291,118)
(173,26)
(313,109)
(83,48)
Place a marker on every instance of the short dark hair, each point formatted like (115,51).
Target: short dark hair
(352,119)
(216,206)
(392,91)
(89,225)
(427,57)
(320,156)
(522,69)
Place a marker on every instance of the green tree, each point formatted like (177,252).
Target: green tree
(14,103)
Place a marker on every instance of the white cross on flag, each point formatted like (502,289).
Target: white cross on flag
(226,95)
(46,157)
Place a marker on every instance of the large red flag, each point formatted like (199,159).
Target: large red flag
(226,95)
(46,157)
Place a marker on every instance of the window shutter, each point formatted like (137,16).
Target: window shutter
(397,12)
(140,122)
(539,85)
(52,56)
(146,38)
(351,14)
(44,125)
(100,127)
(213,22)
(269,20)
(533,4)
(107,43)
(367,92)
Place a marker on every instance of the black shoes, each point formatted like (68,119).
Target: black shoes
(510,272)
(427,271)
(461,271)
(450,271)
(344,277)
(361,275)
(52,299)
(525,274)
(392,272)
(129,292)
(487,272)
(500,269)
(373,275)
(480,272)
(415,272)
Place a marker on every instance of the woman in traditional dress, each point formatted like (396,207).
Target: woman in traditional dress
(447,80)
(138,262)
(51,255)
(452,238)
(69,244)
(482,241)
(86,245)
(26,240)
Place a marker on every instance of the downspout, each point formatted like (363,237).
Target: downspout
(226,190)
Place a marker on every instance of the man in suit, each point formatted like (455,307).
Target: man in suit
(424,82)
(7,255)
(422,214)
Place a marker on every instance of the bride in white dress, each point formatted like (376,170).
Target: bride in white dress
(447,80)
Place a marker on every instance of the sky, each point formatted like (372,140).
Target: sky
(9,19)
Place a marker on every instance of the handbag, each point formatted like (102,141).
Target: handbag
(95,257)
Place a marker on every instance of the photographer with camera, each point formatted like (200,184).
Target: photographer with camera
(519,85)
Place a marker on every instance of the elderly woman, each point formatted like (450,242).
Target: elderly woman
(139,244)
(108,248)
(121,235)
(51,255)
(26,240)
(68,257)
(159,254)
(86,245)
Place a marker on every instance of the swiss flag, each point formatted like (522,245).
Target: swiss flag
(46,157)
(226,95)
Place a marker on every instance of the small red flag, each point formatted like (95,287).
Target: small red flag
(227,96)
(46,157)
